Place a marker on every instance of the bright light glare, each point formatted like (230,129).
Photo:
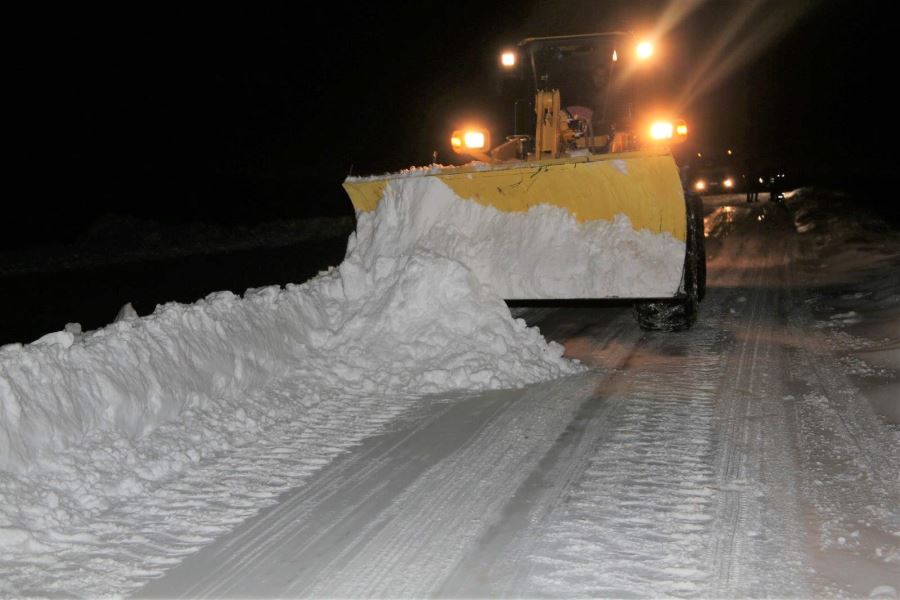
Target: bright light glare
(615,56)
(700,185)
(681,129)
(508,59)
(474,140)
(470,141)
(661,130)
(644,50)
(729,183)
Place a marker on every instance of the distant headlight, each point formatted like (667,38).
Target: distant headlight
(508,59)
(729,183)
(700,185)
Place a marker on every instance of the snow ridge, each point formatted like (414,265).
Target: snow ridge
(414,324)
(92,422)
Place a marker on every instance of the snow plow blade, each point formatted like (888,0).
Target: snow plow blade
(608,226)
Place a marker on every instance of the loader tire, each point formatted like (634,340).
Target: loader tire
(679,314)
(697,238)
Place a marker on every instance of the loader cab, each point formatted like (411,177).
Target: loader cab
(600,80)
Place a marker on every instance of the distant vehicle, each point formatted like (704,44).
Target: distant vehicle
(715,172)
(715,180)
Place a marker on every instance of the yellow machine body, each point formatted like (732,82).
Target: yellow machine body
(618,178)
(644,186)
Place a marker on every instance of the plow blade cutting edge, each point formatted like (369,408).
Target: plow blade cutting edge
(610,226)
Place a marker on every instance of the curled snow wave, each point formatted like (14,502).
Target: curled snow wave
(401,324)
(544,253)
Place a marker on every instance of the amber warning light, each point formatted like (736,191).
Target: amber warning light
(464,140)
(668,131)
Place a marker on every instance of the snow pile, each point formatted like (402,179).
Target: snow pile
(409,324)
(147,408)
(424,171)
(543,253)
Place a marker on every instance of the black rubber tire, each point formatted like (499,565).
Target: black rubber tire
(695,202)
(679,314)
(666,315)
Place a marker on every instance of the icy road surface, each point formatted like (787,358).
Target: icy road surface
(742,458)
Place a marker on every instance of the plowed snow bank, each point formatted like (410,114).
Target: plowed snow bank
(412,324)
(91,422)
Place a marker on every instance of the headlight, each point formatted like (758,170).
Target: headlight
(729,182)
(465,141)
(672,131)
(508,59)
(474,140)
(700,185)
(662,130)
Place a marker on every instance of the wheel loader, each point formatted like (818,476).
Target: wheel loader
(582,200)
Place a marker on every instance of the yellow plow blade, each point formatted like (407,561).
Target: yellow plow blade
(581,227)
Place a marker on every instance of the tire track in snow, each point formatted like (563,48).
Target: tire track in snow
(495,565)
(690,490)
(434,522)
(224,566)
(636,520)
(758,546)
(733,480)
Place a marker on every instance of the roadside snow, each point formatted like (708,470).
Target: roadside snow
(853,257)
(413,324)
(92,421)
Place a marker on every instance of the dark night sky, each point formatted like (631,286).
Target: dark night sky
(242,116)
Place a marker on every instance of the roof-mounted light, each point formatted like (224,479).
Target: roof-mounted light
(644,50)
(662,130)
(674,131)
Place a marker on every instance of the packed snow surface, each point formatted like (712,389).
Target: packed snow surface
(739,459)
(91,420)
(544,253)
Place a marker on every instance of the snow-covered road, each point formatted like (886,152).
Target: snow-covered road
(741,458)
